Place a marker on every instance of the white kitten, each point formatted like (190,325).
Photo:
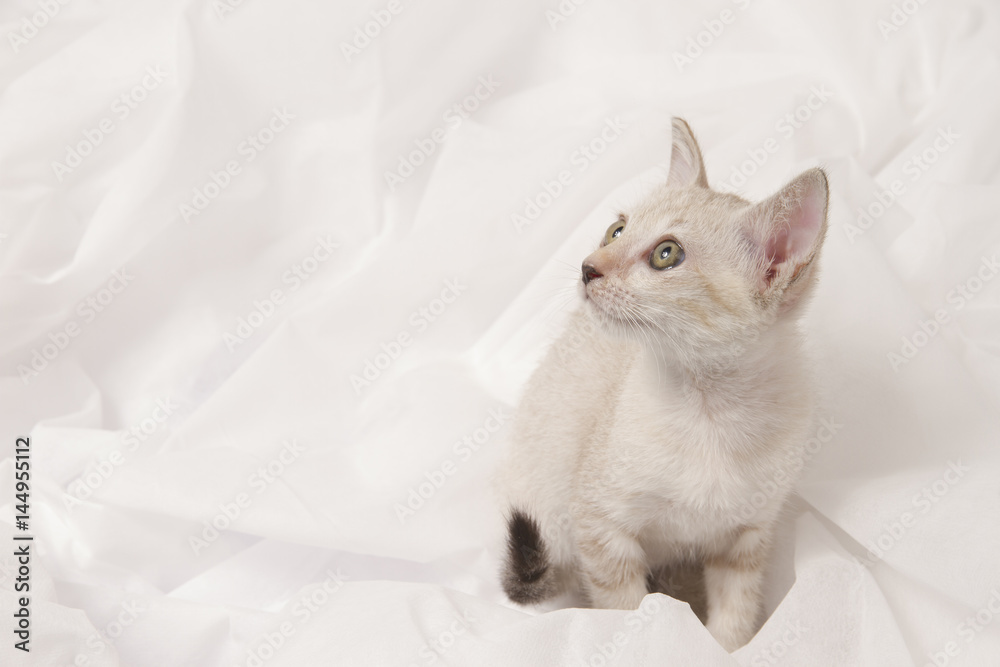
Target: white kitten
(678,392)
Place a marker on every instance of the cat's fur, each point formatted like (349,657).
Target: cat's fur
(673,397)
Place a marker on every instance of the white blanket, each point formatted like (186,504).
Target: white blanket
(274,274)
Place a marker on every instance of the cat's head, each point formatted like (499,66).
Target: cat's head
(705,272)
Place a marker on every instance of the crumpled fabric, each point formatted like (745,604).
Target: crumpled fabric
(274,276)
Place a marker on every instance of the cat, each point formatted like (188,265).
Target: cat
(677,394)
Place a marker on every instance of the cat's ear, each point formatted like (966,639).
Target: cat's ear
(788,229)
(687,169)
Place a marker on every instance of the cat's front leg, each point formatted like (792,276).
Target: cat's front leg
(733,581)
(613,565)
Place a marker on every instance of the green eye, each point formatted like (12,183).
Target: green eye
(614,231)
(666,255)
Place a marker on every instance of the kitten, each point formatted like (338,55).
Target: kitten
(678,392)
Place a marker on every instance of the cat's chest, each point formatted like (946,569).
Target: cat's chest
(690,423)
(700,456)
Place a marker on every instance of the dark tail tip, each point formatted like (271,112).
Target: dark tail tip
(528,576)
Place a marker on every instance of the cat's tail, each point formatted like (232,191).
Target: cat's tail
(528,576)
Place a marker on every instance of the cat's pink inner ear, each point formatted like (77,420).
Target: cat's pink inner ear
(687,168)
(798,216)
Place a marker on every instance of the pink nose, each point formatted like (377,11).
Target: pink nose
(590,273)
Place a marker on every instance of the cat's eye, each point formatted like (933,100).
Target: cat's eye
(666,255)
(614,231)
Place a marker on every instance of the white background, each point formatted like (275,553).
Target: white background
(118,573)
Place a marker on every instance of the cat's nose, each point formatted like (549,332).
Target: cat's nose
(589,273)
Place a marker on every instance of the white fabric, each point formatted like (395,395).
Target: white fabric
(166,353)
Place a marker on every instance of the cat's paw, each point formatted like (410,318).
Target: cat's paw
(731,635)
